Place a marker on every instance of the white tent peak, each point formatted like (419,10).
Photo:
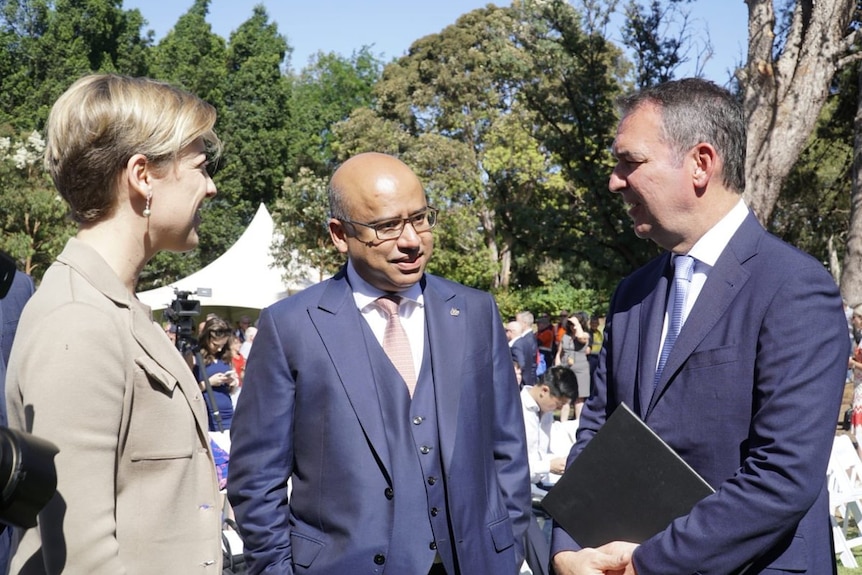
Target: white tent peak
(245,276)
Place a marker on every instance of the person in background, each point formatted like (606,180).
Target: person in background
(539,402)
(386,396)
(241,326)
(524,347)
(219,372)
(545,338)
(855,365)
(90,370)
(237,360)
(595,345)
(11,306)
(245,348)
(711,344)
(571,353)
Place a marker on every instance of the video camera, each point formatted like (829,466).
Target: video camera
(28,478)
(181,313)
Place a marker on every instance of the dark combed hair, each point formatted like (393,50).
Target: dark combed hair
(561,381)
(696,111)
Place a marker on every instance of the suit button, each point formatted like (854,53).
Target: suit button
(425,450)
(379,559)
(389,493)
(432,480)
(434,512)
(433,546)
(418,420)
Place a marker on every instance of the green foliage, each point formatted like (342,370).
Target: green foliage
(301,217)
(192,56)
(35,226)
(323,94)
(550,299)
(656,56)
(254,121)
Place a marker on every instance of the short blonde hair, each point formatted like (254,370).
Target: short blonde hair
(102,120)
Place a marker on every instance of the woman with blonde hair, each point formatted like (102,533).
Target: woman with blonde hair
(90,371)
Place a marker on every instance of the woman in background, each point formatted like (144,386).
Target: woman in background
(572,353)
(219,372)
(90,371)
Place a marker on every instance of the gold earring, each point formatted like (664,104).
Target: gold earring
(147,211)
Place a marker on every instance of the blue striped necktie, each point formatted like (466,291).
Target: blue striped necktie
(683,266)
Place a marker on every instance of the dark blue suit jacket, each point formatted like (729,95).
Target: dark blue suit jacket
(309,412)
(749,397)
(524,351)
(10,311)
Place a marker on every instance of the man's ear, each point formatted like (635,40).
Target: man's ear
(338,233)
(705,164)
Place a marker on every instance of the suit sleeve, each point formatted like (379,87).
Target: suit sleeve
(262,454)
(510,444)
(799,372)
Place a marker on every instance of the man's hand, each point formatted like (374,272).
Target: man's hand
(558,465)
(613,558)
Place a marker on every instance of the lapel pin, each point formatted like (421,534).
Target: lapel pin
(455,312)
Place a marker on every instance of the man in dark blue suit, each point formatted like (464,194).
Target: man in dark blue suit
(403,469)
(748,394)
(10,310)
(525,348)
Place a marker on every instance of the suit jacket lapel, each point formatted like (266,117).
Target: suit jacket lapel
(651,320)
(337,320)
(447,321)
(724,283)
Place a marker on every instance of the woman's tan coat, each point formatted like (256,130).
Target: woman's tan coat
(137,490)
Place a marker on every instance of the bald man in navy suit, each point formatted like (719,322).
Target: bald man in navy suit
(750,390)
(386,477)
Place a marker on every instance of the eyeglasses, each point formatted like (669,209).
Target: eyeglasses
(392,229)
(220,332)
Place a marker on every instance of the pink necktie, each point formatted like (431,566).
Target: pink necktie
(395,342)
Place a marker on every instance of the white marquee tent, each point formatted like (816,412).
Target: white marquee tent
(243,280)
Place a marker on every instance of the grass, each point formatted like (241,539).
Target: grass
(852,531)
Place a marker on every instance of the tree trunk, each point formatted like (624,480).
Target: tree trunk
(783,95)
(851,278)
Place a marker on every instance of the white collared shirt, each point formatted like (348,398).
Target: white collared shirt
(705,252)
(537,427)
(411,311)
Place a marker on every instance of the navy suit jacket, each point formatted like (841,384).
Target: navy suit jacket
(749,397)
(10,311)
(308,412)
(524,351)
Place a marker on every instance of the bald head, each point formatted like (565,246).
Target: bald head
(363,178)
(380,219)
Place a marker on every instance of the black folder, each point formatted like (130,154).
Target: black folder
(625,485)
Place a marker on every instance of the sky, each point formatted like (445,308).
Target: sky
(391,26)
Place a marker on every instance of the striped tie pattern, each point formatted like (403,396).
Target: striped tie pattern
(682,271)
(395,342)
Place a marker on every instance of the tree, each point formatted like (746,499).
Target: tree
(785,82)
(301,214)
(35,226)
(326,92)
(574,75)
(192,56)
(253,124)
(46,45)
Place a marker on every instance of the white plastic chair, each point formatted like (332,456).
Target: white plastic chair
(844,479)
